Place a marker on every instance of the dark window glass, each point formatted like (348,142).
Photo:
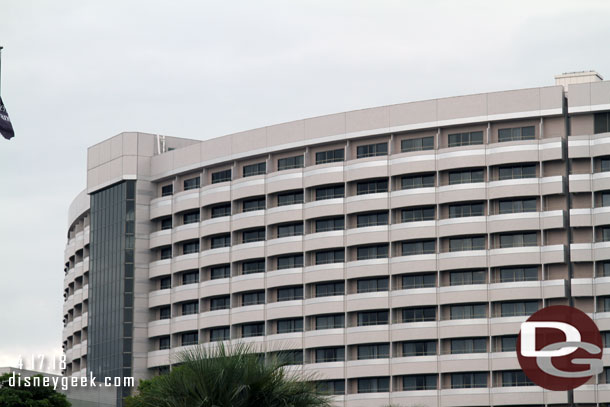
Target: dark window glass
(289,357)
(218,303)
(605,234)
(189,308)
(373,385)
(417,214)
(517,133)
(189,338)
(419,382)
(190,248)
(221,241)
(467,277)
(330,256)
(467,243)
(372,187)
(220,272)
(190,217)
(166,224)
(191,277)
(606,339)
(330,321)
(167,190)
(468,380)
(518,308)
(466,139)
(325,355)
(605,271)
(468,311)
(328,289)
(601,123)
(606,199)
(419,314)
(514,378)
(285,326)
(419,348)
(518,205)
(372,219)
(289,262)
(370,285)
(250,330)
(332,387)
(221,176)
(366,318)
(253,298)
(465,177)
(418,281)
(165,283)
(192,183)
(605,164)
(518,240)
(518,172)
(330,156)
(419,247)
(165,312)
(254,169)
(220,334)
(290,229)
(164,343)
(417,181)
(464,210)
(290,293)
(255,204)
(373,351)
(372,150)
(256,266)
(417,144)
(255,235)
(221,210)
(372,252)
(468,345)
(510,274)
(290,162)
(290,198)
(166,253)
(330,224)
(337,191)
(508,343)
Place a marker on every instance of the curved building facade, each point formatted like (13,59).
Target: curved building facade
(392,251)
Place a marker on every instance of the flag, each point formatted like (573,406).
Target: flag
(6,127)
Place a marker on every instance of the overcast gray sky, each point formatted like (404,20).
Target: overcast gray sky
(77,72)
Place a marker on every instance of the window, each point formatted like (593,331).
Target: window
(463,210)
(221,176)
(419,314)
(164,342)
(517,133)
(220,334)
(419,247)
(372,219)
(285,326)
(419,382)
(518,205)
(374,351)
(329,289)
(330,224)
(373,384)
(466,139)
(417,181)
(419,348)
(605,271)
(418,281)
(255,266)
(330,256)
(372,252)
(372,187)
(290,229)
(467,277)
(290,198)
(337,191)
(518,308)
(370,285)
(417,144)
(518,172)
(324,355)
(330,156)
(605,304)
(468,380)
(465,177)
(518,240)
(220,272)
(417,214)
(367,318)
(217,303)
(606,198)
(467,243)
(332,387)
(510,274)
(508,343)
(250,330)
(289,357)
(167,190)
(189,308)
(290,293)
(468,345)
(190,217)
(190,248)
(221,241)
(165,283)
(290,163)
(372,150)
(166,253)
(605,164)
(512,378)
(165,312)
(255,235)
(468,311)
(254,169)
(189,338)
(290,262)
(166,224)
(606,339)
(253,298)
(191,277)
(330,321)
(221,210)
(191,183)
(255,204)
(601,123)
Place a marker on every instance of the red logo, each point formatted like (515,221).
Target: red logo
(560,348)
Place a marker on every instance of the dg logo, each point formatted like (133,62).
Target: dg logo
(560,348)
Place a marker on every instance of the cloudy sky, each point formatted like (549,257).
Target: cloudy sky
(77,72)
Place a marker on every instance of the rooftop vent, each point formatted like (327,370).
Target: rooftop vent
(568,78)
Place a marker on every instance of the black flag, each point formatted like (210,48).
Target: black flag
(6,127)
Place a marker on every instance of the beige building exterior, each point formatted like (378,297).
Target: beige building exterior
(394,251)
